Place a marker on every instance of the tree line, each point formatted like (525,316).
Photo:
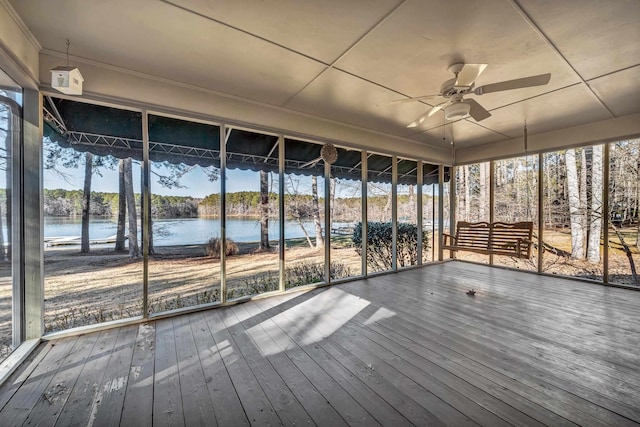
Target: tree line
(59,202)
(68,203)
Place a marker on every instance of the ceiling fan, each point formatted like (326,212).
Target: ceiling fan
(454,90)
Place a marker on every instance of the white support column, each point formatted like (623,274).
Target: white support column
(441,210)
(327,222)
(223,212)
(394,212)
(146,212)
(492,167)
(31,201)
(15,208)
(452,202)
(281,213)
(540,210)
(419,210)
(605,213)
(363,204)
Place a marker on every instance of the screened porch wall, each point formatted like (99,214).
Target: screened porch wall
(583,202)
(259,212)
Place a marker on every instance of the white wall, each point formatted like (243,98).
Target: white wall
(19,50)
(621,128)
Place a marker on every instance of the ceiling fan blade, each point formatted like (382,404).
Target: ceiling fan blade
(429,113)
(437,108)
(418,121)
(477,111)
(539,80)
(417,98)
(469,74)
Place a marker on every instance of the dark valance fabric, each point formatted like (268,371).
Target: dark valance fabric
(107,131)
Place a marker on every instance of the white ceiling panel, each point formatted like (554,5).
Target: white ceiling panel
(320,29)
(346,60)
(620,91)
(340,96)
(597,37)
(171,43)
(411,51)
(564,108)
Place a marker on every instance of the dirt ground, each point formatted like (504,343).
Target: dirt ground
(103,285)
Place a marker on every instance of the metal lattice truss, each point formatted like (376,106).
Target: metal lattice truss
(184,151)
(82,138)
(206,156)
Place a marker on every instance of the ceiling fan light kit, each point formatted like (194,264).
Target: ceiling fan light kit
(458,110)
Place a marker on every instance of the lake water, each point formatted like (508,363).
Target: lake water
(182,231)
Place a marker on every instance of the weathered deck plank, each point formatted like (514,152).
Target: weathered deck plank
(284,403)
(10,387)
(382,411)
(330,390)
(308,328)
(47,410)
(314,403)
(254,400)
(33,388)
(167,401)
(138,402)
(396,350)
(225,401)
(116,376)
(197,406)
(84,399)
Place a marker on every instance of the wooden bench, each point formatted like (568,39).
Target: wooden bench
(498,238)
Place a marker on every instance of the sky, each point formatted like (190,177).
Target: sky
(195,183)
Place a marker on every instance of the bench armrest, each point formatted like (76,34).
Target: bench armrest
(451,238)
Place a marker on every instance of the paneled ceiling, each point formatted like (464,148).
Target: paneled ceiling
(347,60)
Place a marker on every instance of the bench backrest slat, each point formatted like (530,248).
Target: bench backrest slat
(472,235)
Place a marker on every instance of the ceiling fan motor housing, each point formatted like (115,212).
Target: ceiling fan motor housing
(448,88)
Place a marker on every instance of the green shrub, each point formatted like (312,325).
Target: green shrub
(380,244)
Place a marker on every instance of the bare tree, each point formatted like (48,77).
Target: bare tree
(264,211)
(583,194)
(122,208)
(595,223)
(465,193)
(298,209)
(134,249)
(146,208)
(7,105)
(577,243)
(86,202)
(316,212)
(484,187)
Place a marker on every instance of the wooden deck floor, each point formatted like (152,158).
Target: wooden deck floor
(406,349)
